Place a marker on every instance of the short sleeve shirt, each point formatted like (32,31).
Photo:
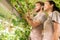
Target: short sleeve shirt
(36,32)
(40,17)
(48,25)
(56,16)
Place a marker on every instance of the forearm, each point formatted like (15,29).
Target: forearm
(32,23)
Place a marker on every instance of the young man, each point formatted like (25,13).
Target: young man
(37,22)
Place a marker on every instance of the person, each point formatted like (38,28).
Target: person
(37,22)
(51,24)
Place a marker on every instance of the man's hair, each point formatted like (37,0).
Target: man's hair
(41,3)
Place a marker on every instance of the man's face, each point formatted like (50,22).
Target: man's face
(37,6)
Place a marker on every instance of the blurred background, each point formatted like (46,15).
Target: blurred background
(13,25)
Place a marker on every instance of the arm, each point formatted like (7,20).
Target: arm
(56,23)
(33,23)
(39,20)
